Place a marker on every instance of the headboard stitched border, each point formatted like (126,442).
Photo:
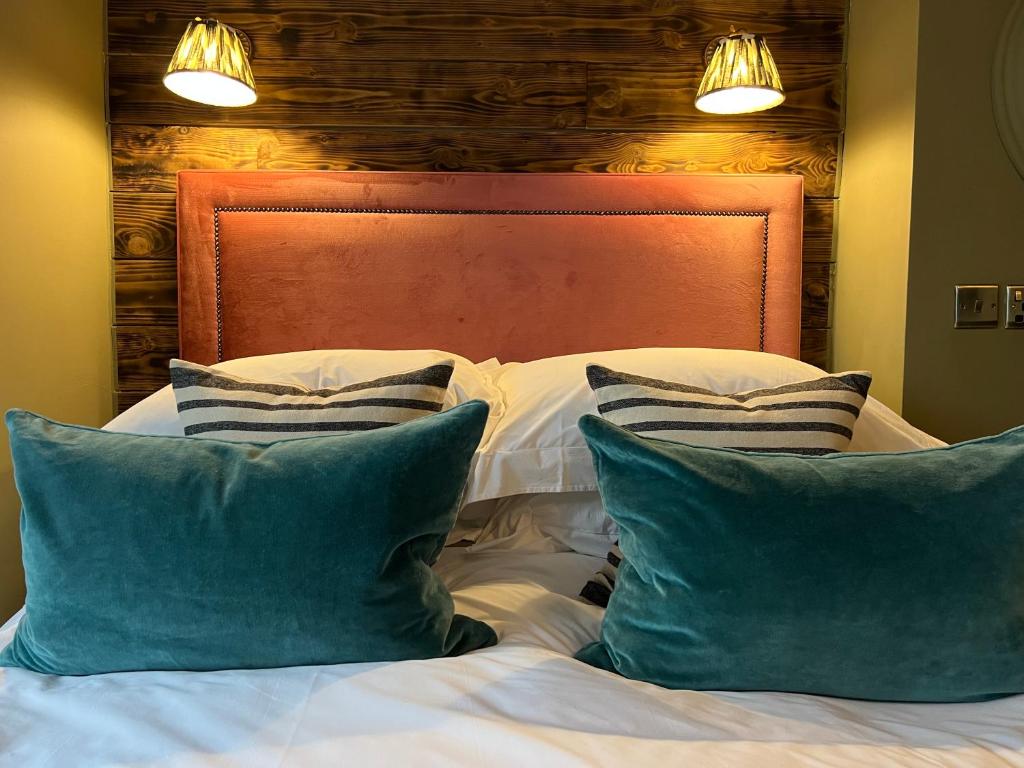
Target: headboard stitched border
(763,215)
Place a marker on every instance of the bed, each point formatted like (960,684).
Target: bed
(516,268)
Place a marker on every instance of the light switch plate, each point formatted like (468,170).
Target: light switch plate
(977,306)
(1014,306)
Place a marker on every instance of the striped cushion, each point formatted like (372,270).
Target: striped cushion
(215,404)
(811,418)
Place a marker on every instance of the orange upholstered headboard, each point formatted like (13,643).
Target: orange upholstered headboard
(513,266)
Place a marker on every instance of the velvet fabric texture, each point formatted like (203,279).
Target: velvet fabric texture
(486,264)
(173,553)
(895,577)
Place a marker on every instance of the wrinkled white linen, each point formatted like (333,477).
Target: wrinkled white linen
(525,702)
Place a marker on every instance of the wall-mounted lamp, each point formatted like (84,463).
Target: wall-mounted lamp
(741,76)
(210,66)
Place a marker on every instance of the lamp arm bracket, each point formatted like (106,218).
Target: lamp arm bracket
(246,40)
(709,49)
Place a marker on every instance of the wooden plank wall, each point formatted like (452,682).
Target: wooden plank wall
(474,85)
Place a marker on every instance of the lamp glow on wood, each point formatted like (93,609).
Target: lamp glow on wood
(741,77)
(210,66)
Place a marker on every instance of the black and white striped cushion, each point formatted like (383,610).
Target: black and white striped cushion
(809,417)
(215,404)
(812,418)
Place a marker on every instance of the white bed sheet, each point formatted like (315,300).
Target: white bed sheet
(525,702)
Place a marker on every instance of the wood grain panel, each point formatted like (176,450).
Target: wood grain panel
(143,353)
(815,347)
(588,86)
(145,291)
(660,97)
(145,226)
(817,295)
(668,31)
(819,230)
(342,93)
(145,158)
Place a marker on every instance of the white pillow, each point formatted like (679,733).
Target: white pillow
(323,369)
(546,522)
(537,448)
(881,429)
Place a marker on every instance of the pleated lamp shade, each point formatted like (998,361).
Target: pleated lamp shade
(210,66)
(741,77)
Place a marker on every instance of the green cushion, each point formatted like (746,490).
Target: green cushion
(191,554)
(895,577)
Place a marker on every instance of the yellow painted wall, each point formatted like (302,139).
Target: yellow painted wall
(873,227)
(965,228)
(55,354)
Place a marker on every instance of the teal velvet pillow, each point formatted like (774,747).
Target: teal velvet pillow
(896,577)
(173,553)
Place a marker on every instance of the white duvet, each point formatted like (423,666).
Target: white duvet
(525,702)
